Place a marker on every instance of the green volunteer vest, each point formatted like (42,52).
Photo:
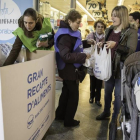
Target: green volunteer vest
(30,43)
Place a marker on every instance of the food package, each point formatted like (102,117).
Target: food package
(44,37)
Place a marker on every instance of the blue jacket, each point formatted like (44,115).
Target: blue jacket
(138,45)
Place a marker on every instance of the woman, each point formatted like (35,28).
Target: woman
(121,38)
(31,25)
(96,84)
(68,47)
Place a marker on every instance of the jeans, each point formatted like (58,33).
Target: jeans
(109,86)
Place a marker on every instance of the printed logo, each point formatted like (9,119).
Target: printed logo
(81,46)
(9,16)
(138,35)
(30,121)
(138,81)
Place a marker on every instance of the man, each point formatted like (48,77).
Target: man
(135,18)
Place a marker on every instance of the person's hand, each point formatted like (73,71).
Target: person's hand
(91,41)
(42,43)
(99,44)
(110,44)
(88,55)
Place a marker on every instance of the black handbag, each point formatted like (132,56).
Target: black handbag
(81,73)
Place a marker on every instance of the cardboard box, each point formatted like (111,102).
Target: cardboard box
(27,97)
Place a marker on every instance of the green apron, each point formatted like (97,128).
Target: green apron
(30,43)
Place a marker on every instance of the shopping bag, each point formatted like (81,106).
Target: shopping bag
(102,69)
(22,55)
(89,62)
(4,52)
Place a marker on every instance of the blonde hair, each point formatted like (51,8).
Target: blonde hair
(122,14)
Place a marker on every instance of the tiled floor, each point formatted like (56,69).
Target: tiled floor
(89,128)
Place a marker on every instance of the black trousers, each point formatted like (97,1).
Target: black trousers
(95,88)
(68,101)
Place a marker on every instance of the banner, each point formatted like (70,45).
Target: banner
(10,12)
(93,5)
(27,97)
(97,13)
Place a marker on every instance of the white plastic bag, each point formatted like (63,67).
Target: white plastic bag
(102,69)
(22,55)
(4,52)
(127,125)
(91,61)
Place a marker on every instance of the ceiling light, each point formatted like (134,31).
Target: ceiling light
(63,13)
(83,8)
(120,2)
(57,10)
(54,9)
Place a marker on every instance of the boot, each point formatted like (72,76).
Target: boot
(103,116)
(98,103)
(72,123)
(112,129)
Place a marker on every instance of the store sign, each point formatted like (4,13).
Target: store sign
(97,13)
(9,14)
(93,5)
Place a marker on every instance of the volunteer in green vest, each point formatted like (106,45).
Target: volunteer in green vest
(31,26)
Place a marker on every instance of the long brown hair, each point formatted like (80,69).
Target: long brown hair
(122,13)
(30,12)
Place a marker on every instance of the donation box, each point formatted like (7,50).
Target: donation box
(27,97)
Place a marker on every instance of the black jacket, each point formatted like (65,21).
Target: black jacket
(65,45)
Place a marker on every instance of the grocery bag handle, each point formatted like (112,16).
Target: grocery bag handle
(96,52)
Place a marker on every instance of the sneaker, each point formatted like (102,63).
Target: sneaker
(103,116)
(98,103)
(72,124)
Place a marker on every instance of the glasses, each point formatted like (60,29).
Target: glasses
(100,26)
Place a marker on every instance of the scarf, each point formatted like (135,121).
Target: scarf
(99,38)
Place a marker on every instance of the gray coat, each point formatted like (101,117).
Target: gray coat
(126,46)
